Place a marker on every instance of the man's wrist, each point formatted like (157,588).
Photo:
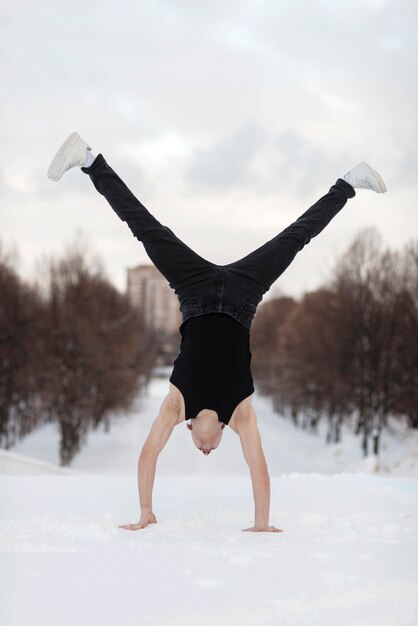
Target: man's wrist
(261,523)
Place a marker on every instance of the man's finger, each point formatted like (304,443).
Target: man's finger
(130,526)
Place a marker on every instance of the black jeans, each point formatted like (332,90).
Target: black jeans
(204,287)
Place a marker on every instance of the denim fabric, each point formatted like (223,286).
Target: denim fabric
(204,287)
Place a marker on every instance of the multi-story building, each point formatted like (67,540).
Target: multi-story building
(149,290)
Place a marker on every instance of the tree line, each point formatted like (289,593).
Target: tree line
(348,351)
(72,349)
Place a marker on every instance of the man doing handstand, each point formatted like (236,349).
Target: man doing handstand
(211,383)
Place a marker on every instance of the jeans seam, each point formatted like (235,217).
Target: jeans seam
(221,288)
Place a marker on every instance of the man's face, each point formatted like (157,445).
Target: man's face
(206,441)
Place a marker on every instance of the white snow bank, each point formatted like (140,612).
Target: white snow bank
(14,463)
(347,556)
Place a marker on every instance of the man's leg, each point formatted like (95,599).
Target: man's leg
(264,265)
(174,259)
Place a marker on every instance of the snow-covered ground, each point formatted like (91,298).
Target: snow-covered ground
(347,556)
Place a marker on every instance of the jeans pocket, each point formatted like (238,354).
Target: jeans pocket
(248,308)
(191,304)
(246,313)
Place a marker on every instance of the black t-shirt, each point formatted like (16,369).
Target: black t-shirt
(213,368)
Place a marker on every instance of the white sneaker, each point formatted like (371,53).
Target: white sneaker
(72,152)
(362,176)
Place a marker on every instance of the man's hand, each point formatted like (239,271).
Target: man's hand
(264,529)
(146,518)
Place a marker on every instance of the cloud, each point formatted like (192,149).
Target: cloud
(226,163)
(254,158)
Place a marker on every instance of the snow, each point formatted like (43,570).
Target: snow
(348,553)
(14,463)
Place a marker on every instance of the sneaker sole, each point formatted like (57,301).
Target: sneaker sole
(56,169)
(380,182)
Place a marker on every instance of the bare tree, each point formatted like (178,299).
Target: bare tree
(98,348)
(405,346)
(350,348)
(21,314)
(72,349)
(265,340)
(370,281)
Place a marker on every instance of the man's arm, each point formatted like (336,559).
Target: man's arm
(158,436)
(249,435)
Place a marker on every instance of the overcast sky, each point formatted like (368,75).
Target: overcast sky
(227,119)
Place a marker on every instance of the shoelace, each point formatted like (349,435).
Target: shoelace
(363,183)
